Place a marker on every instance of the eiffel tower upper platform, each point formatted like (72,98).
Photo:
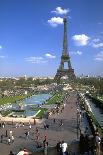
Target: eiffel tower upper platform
(65,58)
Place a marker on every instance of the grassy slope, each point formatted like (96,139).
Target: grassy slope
(13,99)
(55,99)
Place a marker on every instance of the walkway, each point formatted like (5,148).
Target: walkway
(56,132)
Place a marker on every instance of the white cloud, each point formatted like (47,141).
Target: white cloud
(76,52)
(99,56)
(0,47)
(55,21)
(79,52)
(95,45)
(2,56)
(81,40)
(60,11)
(50,56)
(96,40)
(36,60)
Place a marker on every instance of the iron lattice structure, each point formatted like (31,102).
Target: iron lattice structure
(65,58)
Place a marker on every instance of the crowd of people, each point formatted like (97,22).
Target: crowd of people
(62,148)
(91,144)
(87,143)
(9,137)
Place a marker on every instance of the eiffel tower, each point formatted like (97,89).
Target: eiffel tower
(65,58)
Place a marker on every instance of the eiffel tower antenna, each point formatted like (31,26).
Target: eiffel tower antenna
(65,58)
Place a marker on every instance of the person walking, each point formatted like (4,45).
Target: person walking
(45,126)
(37,134)
(11,153)
(58,148)
(12,138)
(1,138)
(54,120)
(11,133)
(61,122)
(3,125)
(45,144)
(9,140)
(27,134)
(64,148)
(45,148)
(30,126)
(26,152)
(82,143)
(6,133)
(98,141)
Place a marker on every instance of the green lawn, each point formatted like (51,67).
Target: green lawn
(12,99)
(41,113)
(55,99)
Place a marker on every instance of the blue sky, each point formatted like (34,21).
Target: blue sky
(31,36)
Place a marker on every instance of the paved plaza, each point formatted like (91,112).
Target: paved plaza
(57,131)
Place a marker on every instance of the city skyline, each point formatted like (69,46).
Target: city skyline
(31,36)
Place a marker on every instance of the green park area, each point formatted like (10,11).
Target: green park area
(13,99)
(41,113)
(55,99)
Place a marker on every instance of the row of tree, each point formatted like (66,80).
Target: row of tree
(97,83)
(7,84)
